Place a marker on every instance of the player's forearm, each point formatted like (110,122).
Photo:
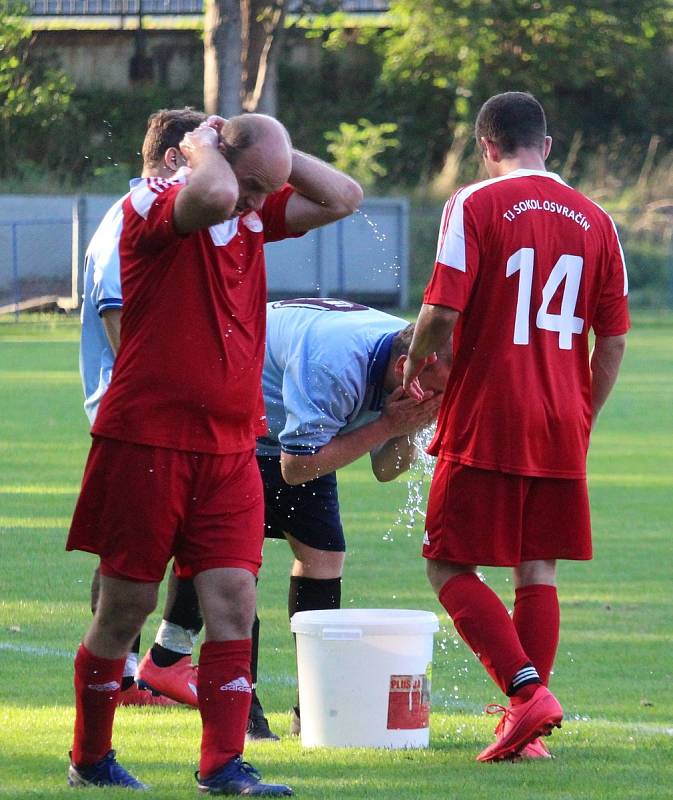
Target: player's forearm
(606,360)
(336,193)
(433,330)
(112,326)
(339,452)
(393,458)
(210,195)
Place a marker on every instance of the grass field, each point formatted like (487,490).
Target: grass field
(614,671)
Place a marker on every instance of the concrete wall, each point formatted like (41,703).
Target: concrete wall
(102,58)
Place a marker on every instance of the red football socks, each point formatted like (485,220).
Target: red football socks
(537,620)
(224,692)
(484,624)
(97,684)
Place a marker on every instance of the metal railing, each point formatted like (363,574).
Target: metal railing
(23,285)
(115,8)
(363,257)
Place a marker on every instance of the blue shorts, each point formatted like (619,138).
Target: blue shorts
(309,511)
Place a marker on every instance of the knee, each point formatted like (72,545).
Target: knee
(240,620)
(319,564)
(124,620)
(439,572)
(529,573)
(229,607)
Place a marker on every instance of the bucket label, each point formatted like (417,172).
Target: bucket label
(409,702)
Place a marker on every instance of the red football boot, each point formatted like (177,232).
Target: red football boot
(177,681)
(535,749)
(522,723)
(135,696)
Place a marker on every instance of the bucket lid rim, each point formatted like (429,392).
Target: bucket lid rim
(381,621)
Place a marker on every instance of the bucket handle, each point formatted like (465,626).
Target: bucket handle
(342,634)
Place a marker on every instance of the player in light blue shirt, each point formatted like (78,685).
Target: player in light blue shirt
(101,309)
(323,371)
(332,390)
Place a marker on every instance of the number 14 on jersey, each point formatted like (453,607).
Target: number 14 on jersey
(566,323)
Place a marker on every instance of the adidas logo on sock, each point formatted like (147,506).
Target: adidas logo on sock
(110,686)
(237,685)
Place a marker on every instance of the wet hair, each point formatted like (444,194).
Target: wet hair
(166,128)
(512,120)
(402,342)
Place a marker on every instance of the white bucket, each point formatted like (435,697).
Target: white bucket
(364,676)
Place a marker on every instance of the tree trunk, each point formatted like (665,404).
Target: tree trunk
(262,27)
(222,48)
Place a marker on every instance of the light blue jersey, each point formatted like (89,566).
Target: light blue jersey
(323,371)
(102,291)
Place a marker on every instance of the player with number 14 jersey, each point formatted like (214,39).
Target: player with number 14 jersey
(532,265)
(526,266)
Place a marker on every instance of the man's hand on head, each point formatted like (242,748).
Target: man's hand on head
(216,122)
(222,126)
(211,193)
(203,138)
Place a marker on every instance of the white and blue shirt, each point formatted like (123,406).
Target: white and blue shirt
(323,373)
(102,292)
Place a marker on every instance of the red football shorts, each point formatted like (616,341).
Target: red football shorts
(141,505)
(489,518)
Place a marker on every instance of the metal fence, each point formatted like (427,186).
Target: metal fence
(363,257)
(115,8)
(25,248)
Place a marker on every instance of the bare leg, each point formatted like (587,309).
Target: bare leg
(122,608)
(227,600)
(309,562)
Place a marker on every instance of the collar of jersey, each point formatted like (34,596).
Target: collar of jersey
(522,173)
(181,174)
(376,370)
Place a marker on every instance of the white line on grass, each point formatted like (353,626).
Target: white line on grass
(32,650)
(55,652)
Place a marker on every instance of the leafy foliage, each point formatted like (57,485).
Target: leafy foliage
(355,148)
(595,65)
(35,97)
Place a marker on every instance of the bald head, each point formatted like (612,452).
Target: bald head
(259,150)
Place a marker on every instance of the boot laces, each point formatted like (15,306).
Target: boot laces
(496,708)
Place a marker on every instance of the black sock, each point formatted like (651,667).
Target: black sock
(128,680)
(254,656)
(163,657)
(526,676)
(312,594)
(185,610)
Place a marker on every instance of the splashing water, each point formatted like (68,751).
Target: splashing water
(391,261)
(380,237)
(422,468)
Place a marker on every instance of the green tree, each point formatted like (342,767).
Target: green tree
(602,67)
(34,97)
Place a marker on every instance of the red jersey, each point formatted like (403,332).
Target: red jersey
(188,372)
(532,265)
